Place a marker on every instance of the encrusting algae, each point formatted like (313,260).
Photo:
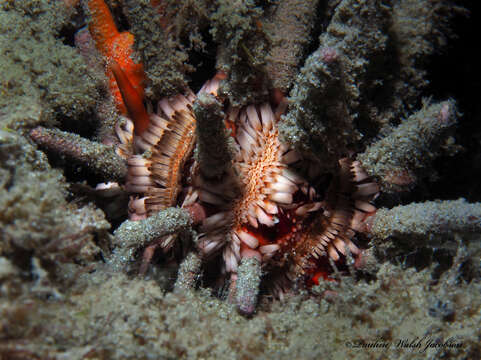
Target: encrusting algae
(296,206)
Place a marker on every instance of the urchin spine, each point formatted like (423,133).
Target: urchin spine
(247,286)
(99,158)
(431,217)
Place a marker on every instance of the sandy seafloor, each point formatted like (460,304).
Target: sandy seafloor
(418,295)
